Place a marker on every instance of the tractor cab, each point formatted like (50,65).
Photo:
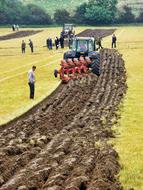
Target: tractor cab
(80,60)
(80,46)
(68,30)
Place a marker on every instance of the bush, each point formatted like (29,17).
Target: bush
(36,15)
(126,16)
(62,16)
(15,12)
(140,18)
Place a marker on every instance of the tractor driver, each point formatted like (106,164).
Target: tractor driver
(83,47)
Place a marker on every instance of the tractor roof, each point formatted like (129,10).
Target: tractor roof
(84,38)
(68,24)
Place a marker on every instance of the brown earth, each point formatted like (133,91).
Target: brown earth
(19,34)
(62,143)
(97,33)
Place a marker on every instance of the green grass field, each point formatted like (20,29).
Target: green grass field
(13,76)
(129,141)
(14,90)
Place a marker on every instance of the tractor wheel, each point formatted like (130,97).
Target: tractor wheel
(66,56)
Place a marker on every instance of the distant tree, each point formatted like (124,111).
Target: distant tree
(126,16)
(97,12)
(140,18)
(62,16)
(10,11)
(101,11)
(15,12)
(79,16)
(36,15)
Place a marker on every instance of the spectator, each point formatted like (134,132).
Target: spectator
(99,43)
(31,46)
(114,40)
(13,27)
(23,47)
(57,42)
(17,27)
(56,73)
(50,43)
(62,42)
(31,81)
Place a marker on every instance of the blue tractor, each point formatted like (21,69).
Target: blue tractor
(85,47)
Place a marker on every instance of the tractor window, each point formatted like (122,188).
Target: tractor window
(91,45)
(73,45)
(68,27)
(82,46)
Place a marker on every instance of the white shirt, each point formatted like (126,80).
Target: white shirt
(31,76)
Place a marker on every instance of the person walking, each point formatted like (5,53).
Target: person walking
(23,47)
(31,46)
(57,42)
(31,81)
(99,43)
(114,40)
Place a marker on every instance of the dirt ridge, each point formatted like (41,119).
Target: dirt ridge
(63,144)
(19,34)
(96,33)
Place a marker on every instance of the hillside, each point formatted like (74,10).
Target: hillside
(70,5)
(136,5)
(51,6)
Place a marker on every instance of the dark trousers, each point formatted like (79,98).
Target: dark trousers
(23,50)
(32,90)
(99,46)
(32,49)
(113,44)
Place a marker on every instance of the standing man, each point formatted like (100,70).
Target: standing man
(48,43)
(51,44)
(31,81)
(62,42)
(57,42)
(114,40)
(17,27)
(13,27)
(23,47)
(31,46)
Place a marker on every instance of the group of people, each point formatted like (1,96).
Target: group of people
(59,42)
(15,27)
(113,45)
(23,46)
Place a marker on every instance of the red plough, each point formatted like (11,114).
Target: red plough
(74,68)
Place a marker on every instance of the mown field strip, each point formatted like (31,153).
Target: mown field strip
(129,143)
(31,63)
(36,62)
(13,76)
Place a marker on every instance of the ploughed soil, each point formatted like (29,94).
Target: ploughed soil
(19,34)
(97,33)
(61,144)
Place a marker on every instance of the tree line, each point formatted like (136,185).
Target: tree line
(94,12)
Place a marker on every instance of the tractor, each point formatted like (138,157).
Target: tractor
(80,60)
(68,31)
